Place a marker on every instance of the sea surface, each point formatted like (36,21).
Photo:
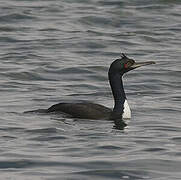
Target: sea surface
(60,50)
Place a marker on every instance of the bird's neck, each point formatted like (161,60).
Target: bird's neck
(119,95)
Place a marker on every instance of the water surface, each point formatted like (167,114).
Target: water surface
(61,50)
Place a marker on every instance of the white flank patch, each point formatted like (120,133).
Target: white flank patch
(126,111)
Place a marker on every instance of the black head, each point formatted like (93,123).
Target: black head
(125,64)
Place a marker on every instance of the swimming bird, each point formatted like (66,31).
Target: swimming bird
(87,110)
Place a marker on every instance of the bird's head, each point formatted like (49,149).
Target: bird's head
(125,64)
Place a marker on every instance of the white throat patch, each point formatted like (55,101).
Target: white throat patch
(126,111)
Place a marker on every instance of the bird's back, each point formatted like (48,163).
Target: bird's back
(82,110)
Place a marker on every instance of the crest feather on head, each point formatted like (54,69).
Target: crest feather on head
(123,55)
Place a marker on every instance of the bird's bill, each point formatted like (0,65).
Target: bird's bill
(139,64)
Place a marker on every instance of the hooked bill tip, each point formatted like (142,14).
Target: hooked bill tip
(152,62)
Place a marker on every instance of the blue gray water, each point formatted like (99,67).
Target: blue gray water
(61,50)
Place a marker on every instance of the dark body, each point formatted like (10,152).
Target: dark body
(82,110)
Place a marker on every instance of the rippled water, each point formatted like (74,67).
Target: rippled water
(54,50)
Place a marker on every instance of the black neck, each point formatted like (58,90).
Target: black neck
(115,80)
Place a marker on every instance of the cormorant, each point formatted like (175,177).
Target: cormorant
(87,110)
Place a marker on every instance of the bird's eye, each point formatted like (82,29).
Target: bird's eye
(128,64)
(125,65)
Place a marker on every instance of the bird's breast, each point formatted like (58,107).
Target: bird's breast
(126,111)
